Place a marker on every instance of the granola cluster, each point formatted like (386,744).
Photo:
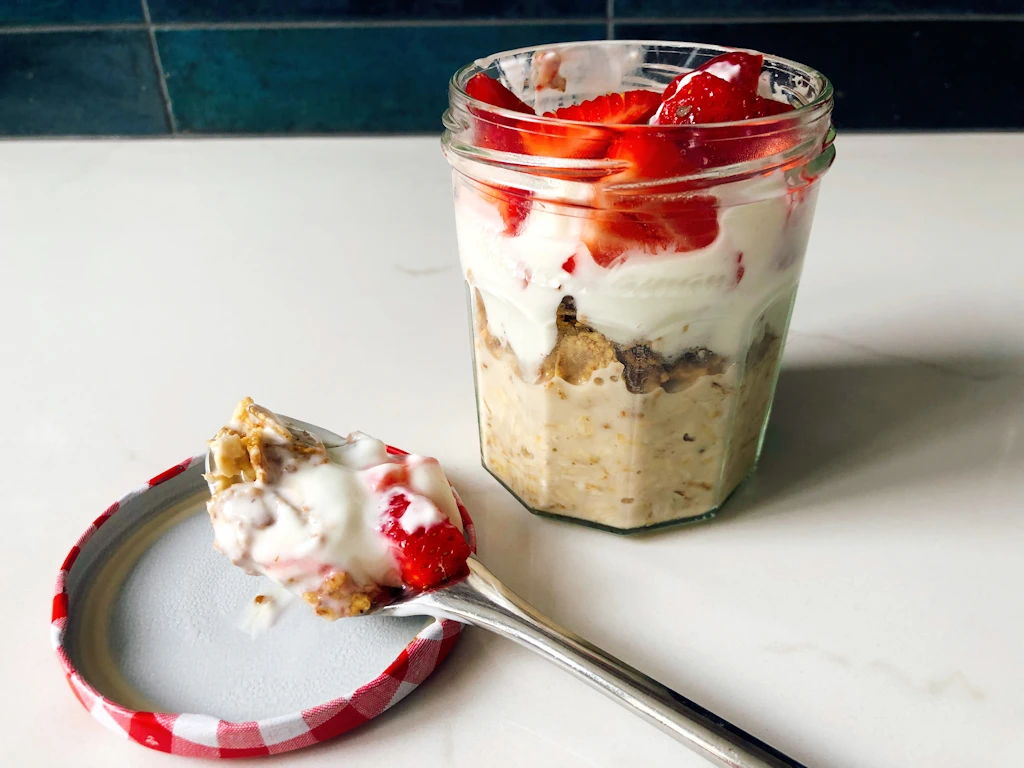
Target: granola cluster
(254,446)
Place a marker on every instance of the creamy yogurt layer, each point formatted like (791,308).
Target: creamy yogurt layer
(709,297)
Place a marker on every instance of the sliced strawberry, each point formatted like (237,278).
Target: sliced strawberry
(500,133)
(705,98)
(648,157)
(429,556)
(740,68)
(650,223)
(485,88)
(514,208)
(674,225)
(563,140)
(491,131)
(768,107)
(629,108)
(513,205)
(581,142)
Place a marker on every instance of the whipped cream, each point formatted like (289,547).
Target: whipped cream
(311,518)
(674,301)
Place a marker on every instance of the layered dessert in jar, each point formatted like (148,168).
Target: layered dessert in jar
(346,527)
(632,220)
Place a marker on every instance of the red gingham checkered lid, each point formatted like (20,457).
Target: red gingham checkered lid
(200,735)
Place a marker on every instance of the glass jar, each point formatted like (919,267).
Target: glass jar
(629,315)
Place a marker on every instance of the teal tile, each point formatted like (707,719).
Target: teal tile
(69,12)
(322,80)
(916,85)
(729,9)
(79,83)
(307,10)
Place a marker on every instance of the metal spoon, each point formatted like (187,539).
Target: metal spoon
(481,600)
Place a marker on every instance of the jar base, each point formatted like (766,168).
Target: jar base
(637,530)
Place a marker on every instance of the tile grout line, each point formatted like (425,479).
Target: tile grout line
(184,26)
(609,12)
(379,24)
(35,29)
(160,74)
(838,19)
(607,20)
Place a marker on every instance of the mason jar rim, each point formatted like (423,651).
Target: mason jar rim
(821,102)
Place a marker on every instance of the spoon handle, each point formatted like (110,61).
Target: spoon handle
(483,601)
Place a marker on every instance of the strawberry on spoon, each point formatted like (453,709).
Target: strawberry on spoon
(428,555)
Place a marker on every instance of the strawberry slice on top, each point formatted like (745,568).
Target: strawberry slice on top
(629,108)
(705,98)
(579,141)
(496,131)
(428,555)
(719,91)
(486,89)
(740,68)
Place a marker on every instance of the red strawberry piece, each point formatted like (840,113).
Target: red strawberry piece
(569,265)
(485,88)
(492,131)
(612,233)
(740,68)
(652,225)
(629,108)
(705,98)
(577,141)
(503,134)
(649,157)
(427,557)
(562,140)
(649,223)
(768,107)
(513,206)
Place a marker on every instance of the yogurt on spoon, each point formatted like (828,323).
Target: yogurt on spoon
(346,528)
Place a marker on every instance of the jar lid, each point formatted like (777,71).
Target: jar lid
(146,625)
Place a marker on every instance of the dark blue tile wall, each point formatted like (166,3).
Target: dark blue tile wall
(911,74)
(144,67)
(377,79)
(313,10)
(69,11)
(727,9)
(79,83)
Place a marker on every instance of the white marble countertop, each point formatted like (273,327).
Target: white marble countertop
(857,605)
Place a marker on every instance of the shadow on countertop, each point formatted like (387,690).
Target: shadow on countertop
(858,428)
